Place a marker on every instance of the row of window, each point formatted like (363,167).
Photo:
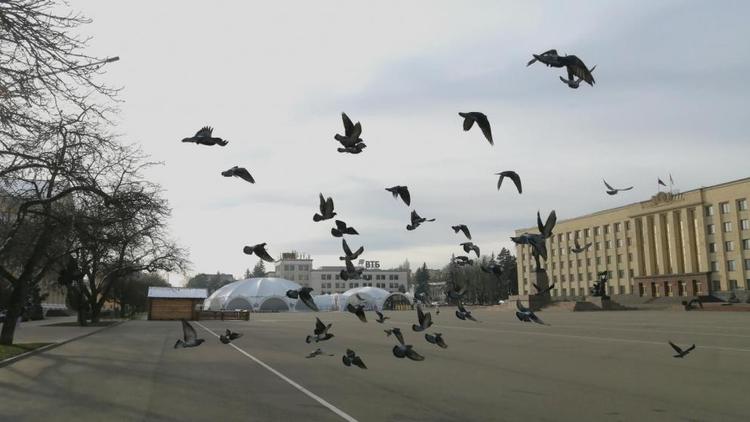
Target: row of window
(364,276)
(729,246)
(356,284)
(725,208)
(727,226)
(574,291)
(301,267)
(598,230)
(731,265)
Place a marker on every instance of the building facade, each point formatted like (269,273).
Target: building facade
(326,279)
(692,243)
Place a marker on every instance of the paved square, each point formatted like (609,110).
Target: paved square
(585,366)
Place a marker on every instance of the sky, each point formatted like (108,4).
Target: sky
(273,78)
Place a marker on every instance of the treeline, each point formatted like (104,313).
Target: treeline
(75,206)
(481,287)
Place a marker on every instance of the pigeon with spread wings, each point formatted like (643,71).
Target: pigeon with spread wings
(341,229)
(320,333)
(424,318)
(259,250)
(402,192)
(240,172)
(416,220)
(303,294)
(462,228)
(481,120)
(326,209)
(578,248)
(614,191)
(205,137)
(527,315)
(348,254)
(681,353)
(573,64)
(512,175)
(189,336)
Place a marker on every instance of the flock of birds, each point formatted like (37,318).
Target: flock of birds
(351,142)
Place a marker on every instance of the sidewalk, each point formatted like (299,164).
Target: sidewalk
(40,332)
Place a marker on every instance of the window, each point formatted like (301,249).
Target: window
(732,284)
(588,260)
(609,260)
(731,265)
(622,290)
(337,277)
(715,285)
(630,273)
(588,276)
(606,229)
(586,232)
(712,247)
(554,252)
(746,244)
(627,225)
(578,234)
(747,284)
(619,258)
(617,227)
(395,276)
(714,266)
(747,264)
(569,235)
(709,210)
(711,229)
(562,278)
(598,260)
(564,291)
(742,205)
(597,231)
(578,262)
(618,243)
(628,241)
(724,207)
(727,226)
(630,256)
(621,273)
(745,224)
(729,246)
(608,244)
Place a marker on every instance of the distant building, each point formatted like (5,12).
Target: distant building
(172,303)
(326,279)
(674,244)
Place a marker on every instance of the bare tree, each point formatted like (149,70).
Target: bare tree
(55,148)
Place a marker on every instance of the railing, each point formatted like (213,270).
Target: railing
(224,315)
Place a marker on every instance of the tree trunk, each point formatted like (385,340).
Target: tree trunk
(15,309)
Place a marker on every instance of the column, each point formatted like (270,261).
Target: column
(688,240)
(662,245)
(648,246)
(675,242)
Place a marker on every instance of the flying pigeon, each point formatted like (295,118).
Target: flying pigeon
(425,320)
(470,246)
(681,353)
(537,241)
(259,250)
(350,272)
(348,254)
(613,191)
(320,333)
(574,65)
(341,229)
(578,248)
(690,305)
(304,295)
(326,209)
(228,336)
(436,339)
(396,332)
(358,310)
(462,260)
(317,352)
(353,150)
(416,220)
(482,122)
(462,228)
(381,318)
(240,172)
(455,292)
(575,83)
(527,315)
(492,268)
(352,132)
(540,291)
(189,336)
(403,350)
(513,176)
(350,358)
(401,191)
(204,137)
(463,314)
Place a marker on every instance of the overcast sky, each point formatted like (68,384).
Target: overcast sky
(273,77)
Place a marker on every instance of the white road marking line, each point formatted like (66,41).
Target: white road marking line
(307,392)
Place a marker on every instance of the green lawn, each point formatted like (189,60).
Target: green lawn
(17,349)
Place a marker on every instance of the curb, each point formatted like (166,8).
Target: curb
(31,353)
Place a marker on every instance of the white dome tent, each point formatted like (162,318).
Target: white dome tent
(266,294)
(375,297)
